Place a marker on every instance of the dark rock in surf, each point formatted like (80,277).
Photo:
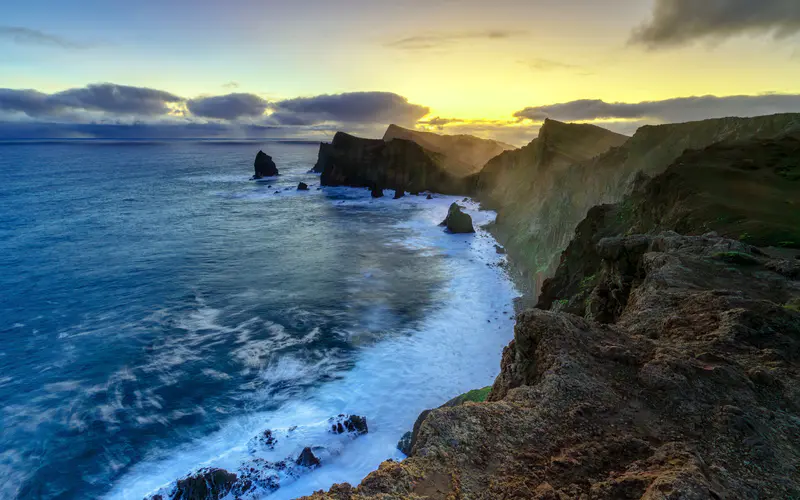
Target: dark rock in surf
(457,222)
(264,166)
(377,192)
(353,424)
(430,197)
(302,186)
(399,193)
(307,459)
(206,484)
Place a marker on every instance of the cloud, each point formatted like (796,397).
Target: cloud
(28,36)
(541,64)
(438,40)
(667,111)
(231,85)
(679,22)
(104,97)
(353,107)
(228,107)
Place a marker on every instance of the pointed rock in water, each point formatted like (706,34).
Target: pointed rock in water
(377,192)
(307,459)
(457,222)
(264,166)
(302,186)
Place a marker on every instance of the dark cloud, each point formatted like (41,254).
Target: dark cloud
(27,101)
(105,97)
(228,107)
(670,110)
(440,122)
(120,99)
(28,36)
(438,40)
(678,22)
(353,107)
(137,130)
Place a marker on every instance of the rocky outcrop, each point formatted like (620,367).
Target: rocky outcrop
(542,191)
(457,222)
(462,155)
(261,474)
(264,166)
(665,365)
(397,164)
(302,186)
(324,155)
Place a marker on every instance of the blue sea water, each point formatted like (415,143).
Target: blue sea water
(158,310)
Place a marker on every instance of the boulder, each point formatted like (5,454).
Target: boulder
(264,166)
(302,186)
(377,192)
(206,484)
(307,458)
(429,197)
(352,424)
(457,222)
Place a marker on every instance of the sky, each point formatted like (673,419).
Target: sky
(306,68)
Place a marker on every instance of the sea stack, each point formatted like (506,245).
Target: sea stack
(264,166)
(457,222)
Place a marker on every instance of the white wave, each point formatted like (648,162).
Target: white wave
(455,349)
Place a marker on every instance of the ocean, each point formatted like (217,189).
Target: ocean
(158,310)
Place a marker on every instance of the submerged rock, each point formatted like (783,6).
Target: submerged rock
(264,166)
(307,459)
(429,197)
(302,186)
(457,222)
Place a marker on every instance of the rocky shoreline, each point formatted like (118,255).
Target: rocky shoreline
(663,358)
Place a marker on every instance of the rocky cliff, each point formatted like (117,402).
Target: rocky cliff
(397,164)
(676,376)
(543,190)
(462,154)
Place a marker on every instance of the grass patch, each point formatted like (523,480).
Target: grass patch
(793,305)
(473,396)
(738,258)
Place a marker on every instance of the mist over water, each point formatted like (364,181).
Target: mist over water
(159,310)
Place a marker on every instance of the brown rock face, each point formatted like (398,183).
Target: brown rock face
(398,164)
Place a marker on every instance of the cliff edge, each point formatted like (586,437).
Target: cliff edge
(666,367)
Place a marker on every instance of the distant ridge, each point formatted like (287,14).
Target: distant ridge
(463,154)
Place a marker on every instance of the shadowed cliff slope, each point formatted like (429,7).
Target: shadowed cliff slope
(542,191)
(463,154)
(678,376)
